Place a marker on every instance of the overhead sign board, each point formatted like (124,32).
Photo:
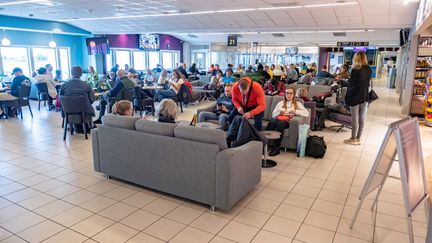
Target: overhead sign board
(232,40)
(291,50)
(352,43)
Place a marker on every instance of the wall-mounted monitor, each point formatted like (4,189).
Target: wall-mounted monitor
(360,48)
(98,46)
(149,42)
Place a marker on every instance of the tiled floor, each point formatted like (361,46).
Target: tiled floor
(49,192)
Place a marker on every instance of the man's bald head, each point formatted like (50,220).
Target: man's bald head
(121,73)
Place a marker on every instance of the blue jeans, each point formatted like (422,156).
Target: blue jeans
(163,94)
(257,118)
(358,115)
(222,118)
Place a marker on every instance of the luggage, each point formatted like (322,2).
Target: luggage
(315,146)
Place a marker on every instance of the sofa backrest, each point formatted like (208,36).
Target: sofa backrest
(317,89)
(125,122)
(268,110)
(156,128)
(202,135)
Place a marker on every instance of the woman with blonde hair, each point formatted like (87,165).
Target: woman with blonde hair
(284,111)
(123,108)
(167,111)
(357,96)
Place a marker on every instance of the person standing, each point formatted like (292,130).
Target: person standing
(249,100)
(389,64)
(357,96)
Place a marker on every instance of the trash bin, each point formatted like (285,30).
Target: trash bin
(391,78)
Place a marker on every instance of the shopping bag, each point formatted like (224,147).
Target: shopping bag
(302,139)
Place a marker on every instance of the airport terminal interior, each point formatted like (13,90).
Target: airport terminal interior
(183,121)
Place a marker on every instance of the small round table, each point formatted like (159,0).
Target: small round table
(208,125)
(270,135)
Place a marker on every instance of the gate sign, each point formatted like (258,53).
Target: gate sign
(353,43)
(232,40)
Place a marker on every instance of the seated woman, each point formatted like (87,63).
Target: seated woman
(274,87)
(282,113)
(302,93)
(175,83)
(163,79)
(216,82)
(123,108)
(44,77)
(167,111)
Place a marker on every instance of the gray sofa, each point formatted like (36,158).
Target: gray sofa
(290,136)
(185,161)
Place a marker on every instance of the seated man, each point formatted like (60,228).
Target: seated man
(341,108)
(224,106)
(123,83)
(19,80)
(249,101)
(323,73)
(76,87)
(228,77)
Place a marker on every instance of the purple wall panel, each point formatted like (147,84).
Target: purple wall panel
(123,41)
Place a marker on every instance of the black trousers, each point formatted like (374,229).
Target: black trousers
(257,118)
(276,125)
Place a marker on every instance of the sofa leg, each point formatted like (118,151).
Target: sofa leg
(212,208)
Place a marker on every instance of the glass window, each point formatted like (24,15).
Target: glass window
(176,59)
(109,65)
(122,58)
(139,60)
(44,56)
(64,63)
(13,57)
(167,60)
(153,59)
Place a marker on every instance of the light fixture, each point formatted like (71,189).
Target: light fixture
(52,43)
(23,2)
(5,41)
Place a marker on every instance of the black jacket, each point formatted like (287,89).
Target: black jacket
(77,87)
(358,86)
(241,132)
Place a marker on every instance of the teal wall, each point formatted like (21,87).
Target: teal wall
(75,39)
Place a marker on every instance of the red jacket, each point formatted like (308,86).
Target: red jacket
(257,97)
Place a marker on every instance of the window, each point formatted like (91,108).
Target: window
(64,63)
(108,60)
(139,60)
(122,58)
(153,59)
(44,56)
(176,59)
(13,57)
(167,60)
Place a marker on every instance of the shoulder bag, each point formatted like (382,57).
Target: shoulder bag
(372,96)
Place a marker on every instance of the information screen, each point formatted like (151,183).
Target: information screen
(232,40)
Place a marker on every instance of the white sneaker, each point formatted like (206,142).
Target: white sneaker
(351,141)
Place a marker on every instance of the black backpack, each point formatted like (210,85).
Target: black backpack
(315,147)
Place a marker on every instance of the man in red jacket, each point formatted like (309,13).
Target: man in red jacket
(249,100)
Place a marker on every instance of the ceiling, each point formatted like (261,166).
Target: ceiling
(302,22)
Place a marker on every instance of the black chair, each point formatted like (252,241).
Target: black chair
(23,100)
(127,94)
(73,109)
(140,103)
(42,93)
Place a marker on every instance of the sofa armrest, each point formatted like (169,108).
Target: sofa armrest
(238,170)
(209,107)
(96,152)
(330,100)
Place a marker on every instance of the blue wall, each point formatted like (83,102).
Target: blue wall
(76,42)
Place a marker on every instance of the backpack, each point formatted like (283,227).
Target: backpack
(315,146)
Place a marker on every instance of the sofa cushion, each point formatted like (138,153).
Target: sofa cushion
(267,111)
(157,128)
(318,89)
(205,135)
(126,122)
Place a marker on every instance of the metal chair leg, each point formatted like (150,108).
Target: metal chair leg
(65,129)
(39,104)
(31,113)
(85,130)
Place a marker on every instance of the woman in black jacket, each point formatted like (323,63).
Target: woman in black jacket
(357,96)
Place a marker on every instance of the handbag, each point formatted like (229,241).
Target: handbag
(372,96)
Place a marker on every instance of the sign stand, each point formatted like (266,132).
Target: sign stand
(402,139)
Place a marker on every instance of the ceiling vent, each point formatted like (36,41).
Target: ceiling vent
(278,35)
(291,4)
(339,34)
(192,36)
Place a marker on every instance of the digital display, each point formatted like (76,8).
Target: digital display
(98,46)
(360,48)
(149,41)
(352,43)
